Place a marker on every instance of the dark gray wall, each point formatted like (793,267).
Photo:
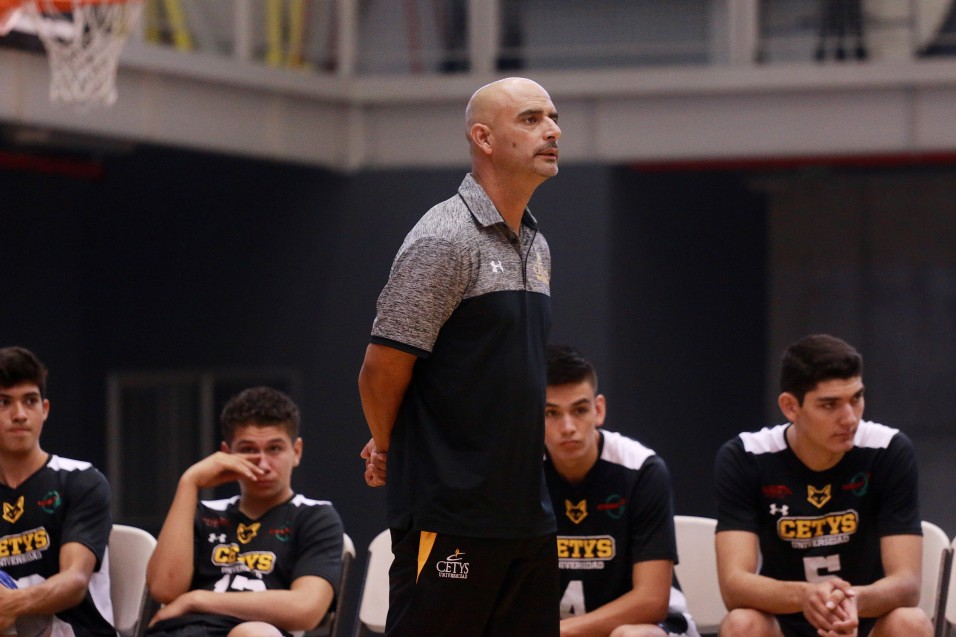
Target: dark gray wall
(689,265)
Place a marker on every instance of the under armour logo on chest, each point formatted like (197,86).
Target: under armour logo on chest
(497,266)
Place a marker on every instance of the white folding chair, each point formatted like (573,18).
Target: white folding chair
(935,544)
(129,551)
(697,571)
(344,602)
(331,625)
(374,606)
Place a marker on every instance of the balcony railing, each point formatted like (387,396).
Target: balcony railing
(414,37)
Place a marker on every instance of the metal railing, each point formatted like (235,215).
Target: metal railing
(348,38)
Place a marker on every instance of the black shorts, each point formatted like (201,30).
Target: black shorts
(677,624)
(197,625)
(472,587)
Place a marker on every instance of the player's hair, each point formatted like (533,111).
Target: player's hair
(259,407)
(814,359)
(566,365)
(19,365)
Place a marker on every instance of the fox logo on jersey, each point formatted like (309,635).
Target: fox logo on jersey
(245,534)
(818,497)
(12,512)
(576,512)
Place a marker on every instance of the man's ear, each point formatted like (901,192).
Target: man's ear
(789,405)
(481,137)
(297,449)
(600,408)
(223,447)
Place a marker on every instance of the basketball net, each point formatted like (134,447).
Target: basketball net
(83,40)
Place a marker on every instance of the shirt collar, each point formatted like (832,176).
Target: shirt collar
(482,208)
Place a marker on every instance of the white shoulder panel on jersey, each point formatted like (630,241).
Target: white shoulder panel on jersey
(767,440)
(301,500)
(220,505)
(58,463)
(872,435)
(624,451)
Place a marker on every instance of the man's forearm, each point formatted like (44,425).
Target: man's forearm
(380,405)
(285,609)
(383,380)
(749,590)
(58,592)
(885,595)
(55,594)
(170,569)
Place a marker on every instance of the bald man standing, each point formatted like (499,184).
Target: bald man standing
(453,389)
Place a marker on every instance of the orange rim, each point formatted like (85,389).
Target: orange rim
(7,7)
(63,6)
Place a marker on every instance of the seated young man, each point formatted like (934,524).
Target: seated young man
(828,503)
(612,499)
(268,540)
(56,523)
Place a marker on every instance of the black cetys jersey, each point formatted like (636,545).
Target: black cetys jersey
(65,501)
(235,553)
(620,514)
(817,524)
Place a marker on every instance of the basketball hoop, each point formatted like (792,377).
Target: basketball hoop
(83,40)
(9,14)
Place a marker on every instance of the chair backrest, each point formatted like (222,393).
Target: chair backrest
(332,625)
(343,603)
(129,552)
(697,570)
(946,607)
(374,607)
(935,542)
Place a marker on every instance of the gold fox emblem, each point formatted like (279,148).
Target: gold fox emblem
(818,497)
(246,533)
(576,512)
(12,512)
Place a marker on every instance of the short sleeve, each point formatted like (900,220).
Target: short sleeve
(652,514)
(87,519)
(427,282)
(319,544)
(735,480)
(899,494)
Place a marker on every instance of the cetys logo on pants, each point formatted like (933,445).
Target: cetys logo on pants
(454,566)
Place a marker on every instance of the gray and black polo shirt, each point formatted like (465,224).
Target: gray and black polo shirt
(471,300)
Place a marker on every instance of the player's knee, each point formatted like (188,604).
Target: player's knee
(747,622)
(638,630)
(912,622)
(255,629)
